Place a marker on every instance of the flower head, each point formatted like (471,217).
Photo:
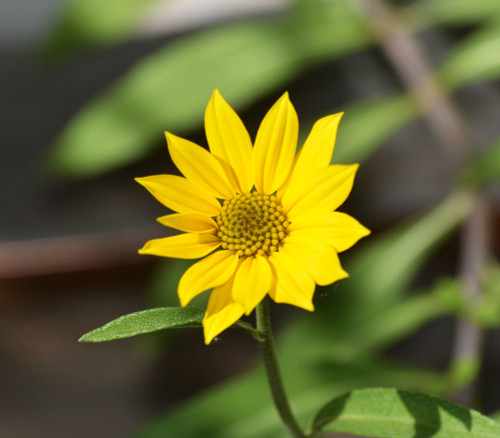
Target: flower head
(261,218)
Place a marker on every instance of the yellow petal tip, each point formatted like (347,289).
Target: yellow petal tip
(209,335)
(168,136)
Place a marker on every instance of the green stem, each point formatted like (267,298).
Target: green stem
(266,344)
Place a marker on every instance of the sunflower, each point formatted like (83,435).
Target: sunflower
(260,217)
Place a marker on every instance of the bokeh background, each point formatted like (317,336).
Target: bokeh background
(87,88)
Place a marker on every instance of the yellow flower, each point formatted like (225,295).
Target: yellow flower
(261,218)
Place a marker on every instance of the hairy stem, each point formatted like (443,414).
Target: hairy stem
(268,349)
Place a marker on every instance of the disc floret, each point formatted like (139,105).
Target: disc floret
(252,224)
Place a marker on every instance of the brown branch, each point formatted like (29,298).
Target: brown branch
(474,257)
(70,254)
(408,59)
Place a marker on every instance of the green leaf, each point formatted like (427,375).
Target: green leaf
(462,371)
(457,12)
(369,303)
(171,88)
(496,416)
(163,283)
(485,168)
(146,321)
(485,312)
(393,322)
(89,23)
(449,292)
(389,263)
(243,408)
(366,125)
(475,59)
(392,413)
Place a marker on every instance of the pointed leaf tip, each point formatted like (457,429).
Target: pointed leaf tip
(146,321)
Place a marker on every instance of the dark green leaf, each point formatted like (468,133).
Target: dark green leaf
(392,413)
(146,321)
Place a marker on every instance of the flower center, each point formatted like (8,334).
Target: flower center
(252,224)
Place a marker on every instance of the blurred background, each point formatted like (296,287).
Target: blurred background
(87,89)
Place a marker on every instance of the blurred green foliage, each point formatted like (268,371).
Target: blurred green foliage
(172,87)
(338,348)
(86,24)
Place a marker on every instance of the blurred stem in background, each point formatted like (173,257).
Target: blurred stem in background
(409,61)
(476,235)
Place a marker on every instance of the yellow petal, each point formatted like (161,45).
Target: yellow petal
(292,284)
(199,166)
(317,150)
(228,139)
(252,282)
(183,246)
(191,223)
(222,312)
(275,146)
(338,229)
(180,195)
(317,257)
(214,270)
(324,190)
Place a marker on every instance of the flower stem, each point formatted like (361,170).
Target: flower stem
(266,344)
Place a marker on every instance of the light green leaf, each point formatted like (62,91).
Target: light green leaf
(485,168)
(366,125)
(449,292)
(457,12)
(462,372)
(146,321)
(379,329)
(379,277)
(392,413)
(170,89)
(476,58)
(385,267)
(485,312)
(243,408)
(88,23)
